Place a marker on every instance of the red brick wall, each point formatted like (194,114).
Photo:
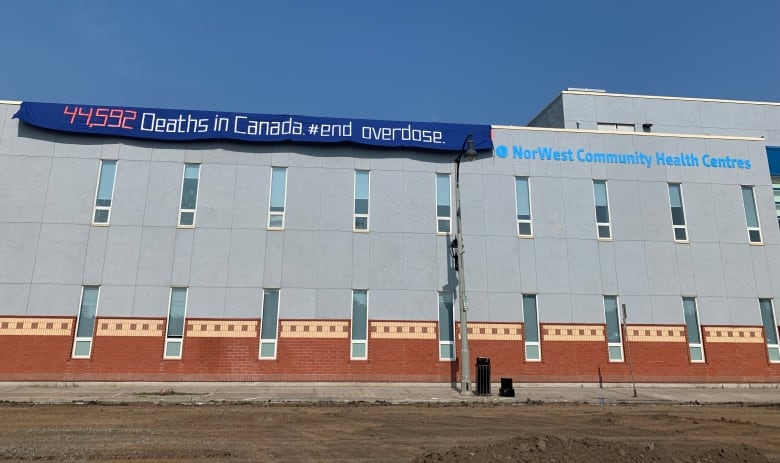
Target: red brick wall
(34,357)
(114,358)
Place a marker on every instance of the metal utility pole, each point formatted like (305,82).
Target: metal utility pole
(470,154)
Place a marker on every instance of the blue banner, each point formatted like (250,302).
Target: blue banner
(174,124)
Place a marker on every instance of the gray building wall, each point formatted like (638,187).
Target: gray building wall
(571,270)
(552,116)
(49,249)
(583,110)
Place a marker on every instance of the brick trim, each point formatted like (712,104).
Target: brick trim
(733,334)
(222,328)
(33,326)
(402,330)
(314,329)
(130,327)
(495,331)
(573,333)
(655,333)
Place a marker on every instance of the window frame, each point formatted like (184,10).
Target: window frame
(771,347)
(193,211)
(85,339)
(694,345)
(283,212)
(757,227)
(356,342)
(611,345)
(96,207)
(538,342)
(355,215)
(442,296)
(684,225)
(615,127)
(776,195)
(520,221)
(171,340)
(269,341)
(441,218)
(607,224)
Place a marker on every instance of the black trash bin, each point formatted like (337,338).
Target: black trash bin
(483,376)
(506,388)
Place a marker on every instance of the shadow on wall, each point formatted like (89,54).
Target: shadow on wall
(449,288)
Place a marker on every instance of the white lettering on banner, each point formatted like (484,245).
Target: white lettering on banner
(336,130)
(246,126)
(404,134)
(185,124)
(151,123)
(221,124)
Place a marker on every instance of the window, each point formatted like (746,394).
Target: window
(523,201)
(678,213)
(85,324)
(751,215)
(614,332)
(174,335)
(361,200)
(776,190)
(770,329)
(105,192)
(269,324)
(695,346)
(443,212)
(531,329)
(359,324)
(612,127)
(189,195)
(277,198)
(603,226)
(446,327)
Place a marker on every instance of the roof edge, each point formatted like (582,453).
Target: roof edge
(678,98)
(641,134)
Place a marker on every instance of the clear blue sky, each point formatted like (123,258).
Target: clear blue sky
(464,61)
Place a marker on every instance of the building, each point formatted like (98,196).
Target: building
(615,236)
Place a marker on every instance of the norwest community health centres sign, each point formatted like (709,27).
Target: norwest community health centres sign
(175,124)
(660,158)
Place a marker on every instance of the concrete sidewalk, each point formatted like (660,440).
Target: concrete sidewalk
(396,393)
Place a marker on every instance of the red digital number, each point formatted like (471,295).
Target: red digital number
(131,115)
(100,112)
(72,114)
(102,117)
(115,114)
(88,115)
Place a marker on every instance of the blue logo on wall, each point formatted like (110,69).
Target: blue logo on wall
(661,158)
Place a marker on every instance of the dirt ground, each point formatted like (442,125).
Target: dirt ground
(351,432)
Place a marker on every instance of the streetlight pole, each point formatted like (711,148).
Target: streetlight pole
(471,154)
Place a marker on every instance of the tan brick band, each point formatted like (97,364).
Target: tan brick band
(495,331)
(17,326)
(655,333)
(130,327)
(314,329)
(403,330)
(222,328)
(733,334)
(573,333)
